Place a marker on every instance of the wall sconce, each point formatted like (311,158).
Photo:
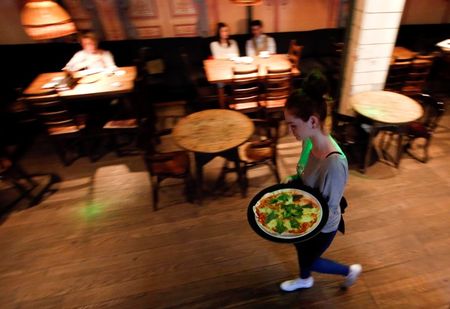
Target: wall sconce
(45,19)
(247,2)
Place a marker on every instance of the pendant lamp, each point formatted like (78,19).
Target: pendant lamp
(46,19)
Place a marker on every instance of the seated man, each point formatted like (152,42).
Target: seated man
(260,41)
(90,57)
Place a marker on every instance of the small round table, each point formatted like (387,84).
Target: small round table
(212,133)
(385,107)
(213,130)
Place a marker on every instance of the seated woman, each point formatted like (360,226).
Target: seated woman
(224,47)
(90,57)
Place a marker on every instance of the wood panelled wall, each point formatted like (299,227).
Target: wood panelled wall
(123,19)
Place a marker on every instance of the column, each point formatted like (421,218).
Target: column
(373,34)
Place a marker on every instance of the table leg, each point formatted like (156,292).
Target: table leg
(242,182)
(372,134)
(199,177)
(399,146)
(221,93)
(233,155)
(200,160)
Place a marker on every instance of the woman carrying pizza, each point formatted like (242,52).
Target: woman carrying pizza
(324,167)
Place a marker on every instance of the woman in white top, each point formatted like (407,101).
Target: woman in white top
(90,57)
(224,47)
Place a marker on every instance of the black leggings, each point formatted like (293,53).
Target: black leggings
(309,259)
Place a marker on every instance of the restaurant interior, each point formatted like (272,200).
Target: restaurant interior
(134,186)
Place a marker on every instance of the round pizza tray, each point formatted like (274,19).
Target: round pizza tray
(302,189)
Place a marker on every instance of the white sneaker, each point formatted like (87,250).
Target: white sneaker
(295,284)
(355,271)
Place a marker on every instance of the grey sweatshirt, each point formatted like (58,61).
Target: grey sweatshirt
(329,175)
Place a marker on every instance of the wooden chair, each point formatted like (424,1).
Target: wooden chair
(261,149)
(351,137)
(204,95)
(12,173)
(398,72)
(336,64)
(278,87)
(431,56)
(424,128)
(174,164)
(245,90)
(417,77)
(162,158)
(65,130)
(128,128)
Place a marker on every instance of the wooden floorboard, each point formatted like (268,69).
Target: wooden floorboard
(96,243)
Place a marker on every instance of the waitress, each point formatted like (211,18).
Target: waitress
(325,169)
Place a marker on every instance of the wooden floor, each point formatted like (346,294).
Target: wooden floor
(96,243)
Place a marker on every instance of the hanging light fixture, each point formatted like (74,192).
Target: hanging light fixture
(45,19)
(247,2)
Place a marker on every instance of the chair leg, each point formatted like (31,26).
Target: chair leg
(399,148)
(199,180)
(61,152)
(368,150)
(189,188)
(381,144)
(24,175)
(241,178)
(425,151)
(245,177)
(155,186)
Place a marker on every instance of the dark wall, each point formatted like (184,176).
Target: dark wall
(22,63)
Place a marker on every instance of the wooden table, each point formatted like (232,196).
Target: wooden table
(220,71)
(402,54)
(91,86)
(211,133)
(386,108)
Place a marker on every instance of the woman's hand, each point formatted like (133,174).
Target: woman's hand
(289,179)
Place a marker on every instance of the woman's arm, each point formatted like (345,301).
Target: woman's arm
(334,179)
(108,60)
(75,63)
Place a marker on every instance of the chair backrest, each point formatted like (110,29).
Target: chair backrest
(149,63)
(245,88)
(338,48)
(433,111)
(430,56)
(398,72)
(418,74)
(278,84)
(266,132)
(53,113)
(188,69)
(244,72)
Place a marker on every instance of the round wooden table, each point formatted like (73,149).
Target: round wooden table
(212,133)
(386,108)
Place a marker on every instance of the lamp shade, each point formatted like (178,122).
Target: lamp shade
(247,2)
(43,20)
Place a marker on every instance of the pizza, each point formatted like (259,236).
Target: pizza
(288,213)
